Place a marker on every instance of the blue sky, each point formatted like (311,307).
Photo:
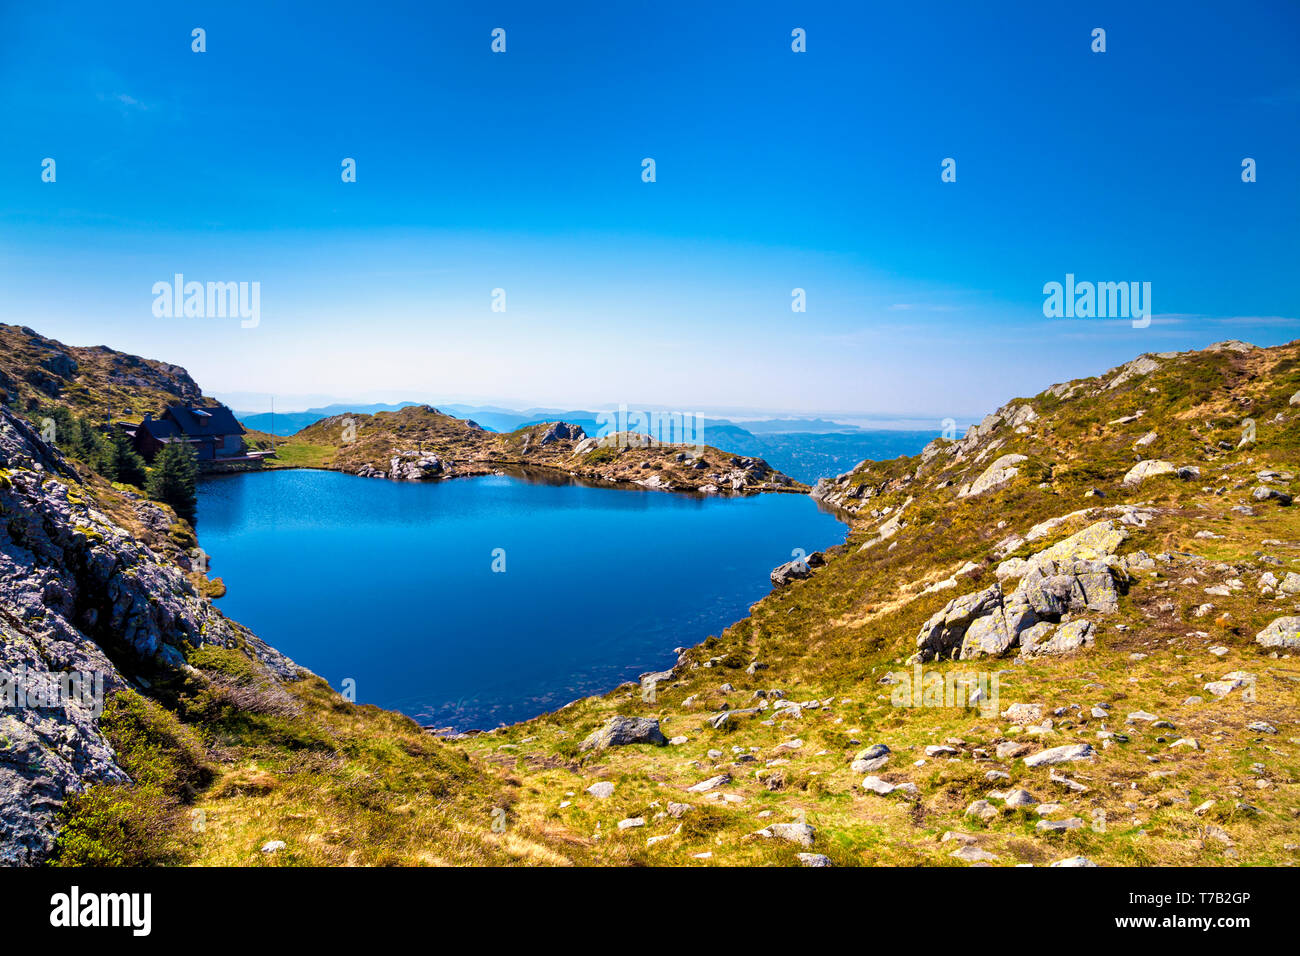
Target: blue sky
(775,170)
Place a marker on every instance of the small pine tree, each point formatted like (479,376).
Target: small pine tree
(121,462)
(110,460)
(174,479)
(74,435)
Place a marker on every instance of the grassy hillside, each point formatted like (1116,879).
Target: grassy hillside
(1151,797)
(227,760)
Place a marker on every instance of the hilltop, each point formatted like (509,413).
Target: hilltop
(421,443)
(803,448)
(1098,587)
(96,382)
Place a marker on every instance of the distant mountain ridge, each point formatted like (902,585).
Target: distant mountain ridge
(284,424)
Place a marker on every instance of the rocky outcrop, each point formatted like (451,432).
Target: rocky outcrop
(1044,639)
(407,466)
(1054,588)
(994,476)
(621,731)
(81,600)
(749,474)
(944,632)
(851,494)
(1080,573)
(796,569)
(562,431)
(1142,365)
(996,632)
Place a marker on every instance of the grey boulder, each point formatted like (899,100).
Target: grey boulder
(1281,634)
(621,731)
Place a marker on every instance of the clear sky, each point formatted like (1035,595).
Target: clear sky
(775,170)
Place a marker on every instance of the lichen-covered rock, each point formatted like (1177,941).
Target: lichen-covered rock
(1054,588)
(1147,469)
(1055,755)
(872,758)
(621,731)
(1281,634)
(1022,714)
(996,632)
(1092,543)
(800,833)
(1073,636)
(1077,574)
(943,633)
(995,475)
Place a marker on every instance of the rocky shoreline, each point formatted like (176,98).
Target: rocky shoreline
(419,443)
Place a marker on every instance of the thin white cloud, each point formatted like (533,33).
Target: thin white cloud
(910,306)
(1258,320)
(123,102)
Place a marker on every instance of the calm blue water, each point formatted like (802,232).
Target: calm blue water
(391,584)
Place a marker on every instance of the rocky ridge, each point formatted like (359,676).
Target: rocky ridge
(419,443)
(96,381)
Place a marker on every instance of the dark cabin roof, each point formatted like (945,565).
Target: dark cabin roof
(200,422)
(159,428)
(165,431)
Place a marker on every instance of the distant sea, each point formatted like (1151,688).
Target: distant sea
(808,457)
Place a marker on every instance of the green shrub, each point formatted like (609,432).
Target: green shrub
(136,824)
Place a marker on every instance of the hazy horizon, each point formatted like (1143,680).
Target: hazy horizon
(254,403)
